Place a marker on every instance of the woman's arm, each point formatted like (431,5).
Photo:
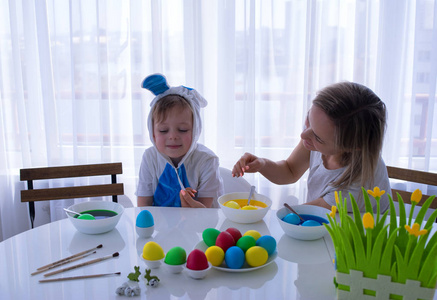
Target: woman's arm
(281,172)
(319,202)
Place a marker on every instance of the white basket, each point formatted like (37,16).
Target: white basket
(382,286)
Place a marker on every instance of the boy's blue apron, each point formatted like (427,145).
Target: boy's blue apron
(167,192)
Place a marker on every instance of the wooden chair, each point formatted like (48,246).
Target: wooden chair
(31,195)
(412,176)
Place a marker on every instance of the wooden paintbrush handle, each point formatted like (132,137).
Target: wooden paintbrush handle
(81,265)
(79,277)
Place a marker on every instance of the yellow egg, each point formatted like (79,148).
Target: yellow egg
(153,251)
(249,207)
(256,256)
(215,255)
(232,204)
(255,234)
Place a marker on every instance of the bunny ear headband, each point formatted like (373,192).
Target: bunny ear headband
(157,84)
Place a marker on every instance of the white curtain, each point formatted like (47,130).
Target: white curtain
(70,74)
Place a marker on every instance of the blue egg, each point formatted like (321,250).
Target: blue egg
(292,219)
(267,242)
(234,257)
(310,223)
(145,219)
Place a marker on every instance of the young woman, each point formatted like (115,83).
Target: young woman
(340,145)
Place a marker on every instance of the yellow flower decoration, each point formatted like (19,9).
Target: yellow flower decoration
(376,193)
(336,197)
(333,211)
(416,196)
(415,230)
(368,221)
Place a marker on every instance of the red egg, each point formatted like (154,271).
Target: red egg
(197,260)
(236,234)
(225,240)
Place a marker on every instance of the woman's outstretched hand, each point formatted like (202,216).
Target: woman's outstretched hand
(248,163)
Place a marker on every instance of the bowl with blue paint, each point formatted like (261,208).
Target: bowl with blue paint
(311,228)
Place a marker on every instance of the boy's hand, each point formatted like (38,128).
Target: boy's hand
(187,200)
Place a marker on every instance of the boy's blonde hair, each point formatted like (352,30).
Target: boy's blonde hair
(162,107)
(359,117)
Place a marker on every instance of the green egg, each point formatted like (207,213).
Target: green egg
(246,242)
(86,217)
(210,235)
(176,256)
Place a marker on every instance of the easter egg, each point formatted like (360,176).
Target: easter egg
(210,235)
(236,234)
(144,219)
(153,251)
(232,204)
(197,260)
(86,217)
(215,255)
(176,256)
(256,235)
(225,240)
(246,242)
(249,207)
(311,223)
(267,242)
(256,256)
(292,218)
(234,257)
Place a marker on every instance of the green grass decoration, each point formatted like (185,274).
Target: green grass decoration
(403,251)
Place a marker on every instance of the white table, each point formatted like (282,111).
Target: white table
(302,270)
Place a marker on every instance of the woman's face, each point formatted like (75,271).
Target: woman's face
(173,135)
(319,132)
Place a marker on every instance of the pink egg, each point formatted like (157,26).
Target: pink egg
(236,234)
(225,240)
(197,260)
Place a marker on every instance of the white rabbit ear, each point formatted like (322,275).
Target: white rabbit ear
(155,83)
(196,98)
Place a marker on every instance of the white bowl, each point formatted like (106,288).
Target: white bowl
(145,232)
(152,264)
(244,216)
(197,274)
(95,226)
(174,269)
(303,232)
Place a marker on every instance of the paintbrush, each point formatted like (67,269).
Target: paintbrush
(79,277)
(70,257)
(82,264)
(62,263)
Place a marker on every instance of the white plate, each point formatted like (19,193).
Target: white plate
(246,268)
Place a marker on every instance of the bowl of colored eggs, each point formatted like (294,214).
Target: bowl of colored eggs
(95,216)
(232,251)
(235,208)
(311,228)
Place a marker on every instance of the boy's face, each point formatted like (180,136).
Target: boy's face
(174,134)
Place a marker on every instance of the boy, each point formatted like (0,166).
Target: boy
(177,171)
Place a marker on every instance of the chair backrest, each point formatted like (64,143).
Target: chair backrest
(30,195)
(233,184)
(412,176)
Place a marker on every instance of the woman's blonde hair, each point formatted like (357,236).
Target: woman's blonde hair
(359,117)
